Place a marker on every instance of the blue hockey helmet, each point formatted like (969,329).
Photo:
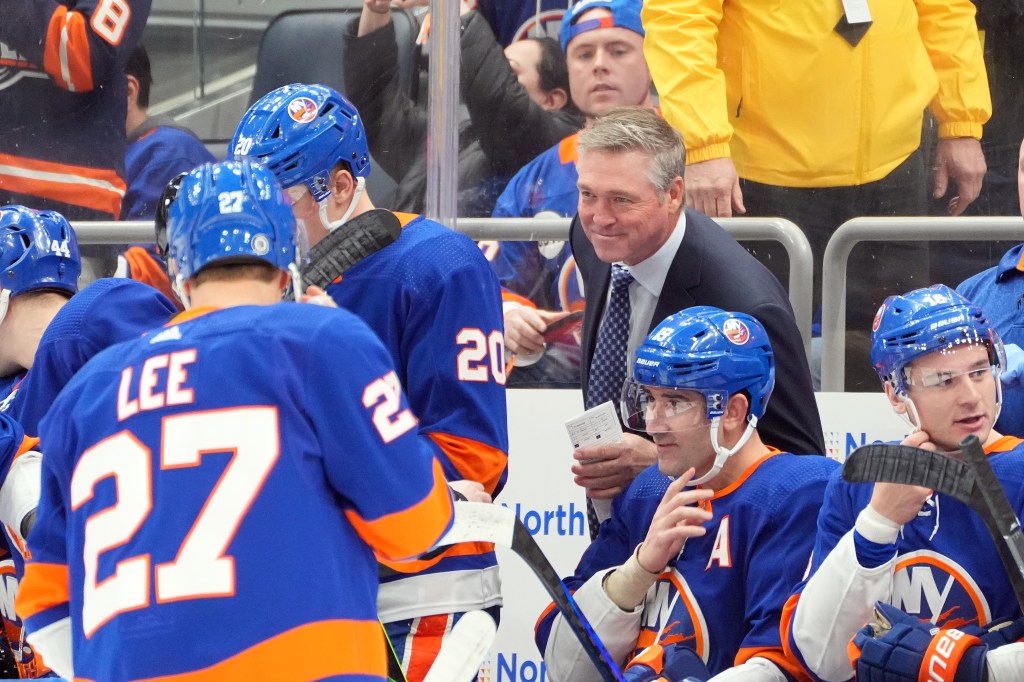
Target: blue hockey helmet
(924,321)
(300,132)
(38,250)
(711,352)
(230,211)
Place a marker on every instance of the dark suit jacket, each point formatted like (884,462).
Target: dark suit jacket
(711,268)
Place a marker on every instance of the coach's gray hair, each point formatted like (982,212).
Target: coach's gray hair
(638,129)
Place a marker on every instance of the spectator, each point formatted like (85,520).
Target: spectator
(700,382)
(999,291)
(643,257)
(206,454)
(510,120)
(924,553)
(158,148)
(736,81)
(603,43)
(62,94)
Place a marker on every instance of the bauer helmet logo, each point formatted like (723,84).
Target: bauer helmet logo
(260,245)
(302,109)
(736,331)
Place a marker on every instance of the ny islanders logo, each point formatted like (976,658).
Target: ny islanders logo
(14,67)
(878,318)
(935,588)
(302,109)
(736,331)
(673,616)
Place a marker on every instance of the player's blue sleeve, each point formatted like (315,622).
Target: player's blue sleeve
(394,494)
(11,438)
(81,44)
(44,596)
(455,369)
(513,201)
(616,541)
(780,551)
(106,312)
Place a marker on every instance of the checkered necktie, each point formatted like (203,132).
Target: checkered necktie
(608,367)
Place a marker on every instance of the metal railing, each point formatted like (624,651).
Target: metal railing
(853,232)
(798,250)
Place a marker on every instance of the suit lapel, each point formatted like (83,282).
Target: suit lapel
(684,273)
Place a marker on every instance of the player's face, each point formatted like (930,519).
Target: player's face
(307,211)
(677,421)
(607,67)
(623,214)
(524,57)
(954,392)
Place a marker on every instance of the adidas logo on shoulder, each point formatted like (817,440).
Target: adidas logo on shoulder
(170,334)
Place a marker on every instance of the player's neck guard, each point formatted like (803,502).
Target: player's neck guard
(326,222)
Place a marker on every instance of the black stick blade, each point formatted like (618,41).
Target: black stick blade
(360,237)
(890,463)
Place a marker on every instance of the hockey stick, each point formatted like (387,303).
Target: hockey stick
(395,672)
(360,237)
(970,481)
(463,649)
(480,522)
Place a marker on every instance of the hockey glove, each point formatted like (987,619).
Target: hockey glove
(666,664)
(898,647)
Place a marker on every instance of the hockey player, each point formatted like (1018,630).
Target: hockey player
(62,94)
(700,572)
(169,462)
(925,554)
(433,300)
(48,330)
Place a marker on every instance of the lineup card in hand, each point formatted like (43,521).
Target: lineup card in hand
(596,426)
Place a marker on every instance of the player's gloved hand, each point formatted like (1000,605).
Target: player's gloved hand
(671,663)
(1013,373)
(898,647)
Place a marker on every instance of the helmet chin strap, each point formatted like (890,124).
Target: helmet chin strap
(293,270)
(326,222)
(723,453)
(179,289)
(5,301)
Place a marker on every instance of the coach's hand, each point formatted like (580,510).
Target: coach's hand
(607,470)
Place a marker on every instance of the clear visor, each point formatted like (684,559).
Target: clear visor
(931,377)
(984,369)
(653,408)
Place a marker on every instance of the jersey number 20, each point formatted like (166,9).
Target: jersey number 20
(200,568)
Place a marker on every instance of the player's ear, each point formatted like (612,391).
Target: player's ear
(898,406)
(133,89)
(736,411)
(343,185)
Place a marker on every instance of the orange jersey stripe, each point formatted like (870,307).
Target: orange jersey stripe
(146,270)
(413,530)
(512,297)
(567,152)
(405,218)
(98,189)
(476,461)
(313,651)
(27,443)
(417,565)
(66,55)
(44,586)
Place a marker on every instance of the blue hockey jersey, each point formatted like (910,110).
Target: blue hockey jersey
(432,299)
(63,98)
(946,569)
(723,596)
(521,19)
(106,312)
(151,160)
(182,465)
